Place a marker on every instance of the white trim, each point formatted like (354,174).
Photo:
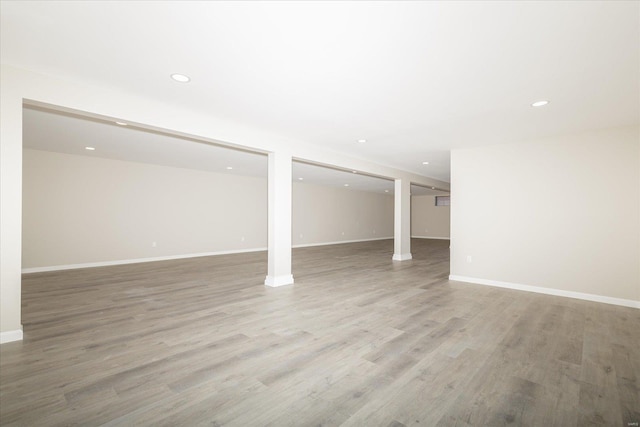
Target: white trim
(276,281)
(170,257)
(549,291)
(307,245)
(10,336)
(429,237)
(135,261)
(402,257)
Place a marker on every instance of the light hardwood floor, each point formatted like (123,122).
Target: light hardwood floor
(359,340)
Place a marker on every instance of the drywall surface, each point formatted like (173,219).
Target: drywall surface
(10,210)
(79,209)
(561,213)
(82,210)
(324,214)
(429,220)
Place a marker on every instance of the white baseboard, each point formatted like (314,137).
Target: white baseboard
(10,336)
(401,257)
(135,260)
(431,237)
(548,291)
(275,281)
(307,245)
(171,257)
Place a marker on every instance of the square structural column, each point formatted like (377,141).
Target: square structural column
(279,255)
(402,221)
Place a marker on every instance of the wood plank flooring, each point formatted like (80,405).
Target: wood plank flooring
(359,340)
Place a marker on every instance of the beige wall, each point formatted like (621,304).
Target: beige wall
(429,220)
(561,213)
(326,214)
(79,209)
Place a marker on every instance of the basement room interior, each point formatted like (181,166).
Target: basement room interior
(320,213)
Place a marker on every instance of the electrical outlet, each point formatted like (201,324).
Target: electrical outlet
(343,233)
(242,239)
(469,258)
(154,244)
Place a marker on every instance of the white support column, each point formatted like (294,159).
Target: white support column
(402,221)
(10,212)
(279,258)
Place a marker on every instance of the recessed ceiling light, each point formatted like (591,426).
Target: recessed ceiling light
(121,123)
(540,103)
(354,171)
(300,179)
(181,78)
(229,167)
(425,163)
(90,148)
(386,191)
(362,141)
(433,188)
(346,185)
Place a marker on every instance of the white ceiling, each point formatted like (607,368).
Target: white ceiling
(415,79)
(65,133)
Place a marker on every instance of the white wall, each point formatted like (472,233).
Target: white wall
(327,214)
(561,214)
(429,220)
(81,209)
(10,208)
